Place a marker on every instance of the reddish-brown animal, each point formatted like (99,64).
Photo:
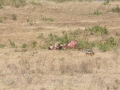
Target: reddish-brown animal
(71,45)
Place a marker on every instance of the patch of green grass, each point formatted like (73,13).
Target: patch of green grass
(61,0)
(65,37)
(96,12)
(2,45)
(40,36)
(14,3)
(1,20)
(106,2)
(12,44)
(47,19)
(24,45)
(116,9)
(14,17)
(85,44)
(35,3)
(109,44)
(34,44)
(97,30)
(1,6)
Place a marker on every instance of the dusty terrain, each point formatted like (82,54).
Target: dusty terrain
(41,69)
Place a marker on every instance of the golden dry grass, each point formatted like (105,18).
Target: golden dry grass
(41,69)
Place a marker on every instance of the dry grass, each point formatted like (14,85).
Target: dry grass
(27,67)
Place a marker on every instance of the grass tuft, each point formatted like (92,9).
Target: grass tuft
(12,44)
(116,9)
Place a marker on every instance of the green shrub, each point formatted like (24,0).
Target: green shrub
(116,9)
(24,45)
(98,30)
(14,17)
(34,44)
(109,44)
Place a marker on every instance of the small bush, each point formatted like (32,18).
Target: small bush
(116,9)
(34,44)
(14,17)
(24,45)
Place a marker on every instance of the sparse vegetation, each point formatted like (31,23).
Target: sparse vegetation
(24,45)
(97,12)
(106,2)
(35,3)
(2,45)
(14,17)
(109,44)
(116,9)
(40,36)
(34,44)
(27,64)
(12,44)
(97,30)
(47,19)
(1,20)
(14,3)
